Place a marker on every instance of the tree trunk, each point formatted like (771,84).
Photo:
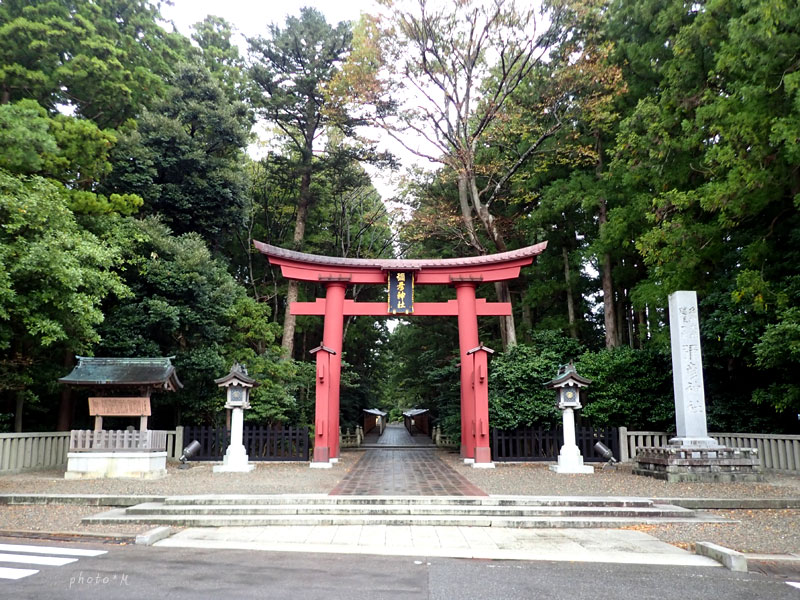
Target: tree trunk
(642,336)
(573,329)
(527,318)
(67,404)
(290,321)
(508,330)
(466,213)
(609,315)
(18,411)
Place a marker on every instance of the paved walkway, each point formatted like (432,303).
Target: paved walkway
(392,471)
(396,435)
(404,473)
(586,545)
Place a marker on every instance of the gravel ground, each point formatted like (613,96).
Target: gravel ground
(60,518)
(266,478)
(536,479)
(761,531)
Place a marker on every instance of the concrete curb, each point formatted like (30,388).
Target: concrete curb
(69,535)
(148,538)
(756,557)
(79,499)
(731,559)
(132,500)
(731,503)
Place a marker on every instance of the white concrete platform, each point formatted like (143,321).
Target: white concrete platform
(575,545)
(116,464)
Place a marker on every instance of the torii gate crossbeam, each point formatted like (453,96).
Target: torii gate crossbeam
(462,273)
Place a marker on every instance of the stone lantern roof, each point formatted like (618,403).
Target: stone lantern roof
(237,376)
(567,375)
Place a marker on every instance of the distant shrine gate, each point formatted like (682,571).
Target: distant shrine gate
(401,275)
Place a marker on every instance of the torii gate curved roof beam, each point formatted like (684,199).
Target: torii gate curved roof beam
(480,269)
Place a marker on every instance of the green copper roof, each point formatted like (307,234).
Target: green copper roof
(567,373)
(154,372)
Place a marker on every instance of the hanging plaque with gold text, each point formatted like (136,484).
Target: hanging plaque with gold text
(401,292)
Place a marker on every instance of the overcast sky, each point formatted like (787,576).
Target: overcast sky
(251,17)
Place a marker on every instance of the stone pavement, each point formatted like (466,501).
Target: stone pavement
(391,470)
(584,545)
(397,435)
(404,473)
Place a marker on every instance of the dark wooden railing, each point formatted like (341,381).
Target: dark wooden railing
(539,443)
(262,442)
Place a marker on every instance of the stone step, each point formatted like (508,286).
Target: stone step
(324,499)
(409,510)
(118,516)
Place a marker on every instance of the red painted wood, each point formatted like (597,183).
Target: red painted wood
(462,273)
(421,309)
(480,383)
(467,340)
(490,268)
(323,383)
(332,338)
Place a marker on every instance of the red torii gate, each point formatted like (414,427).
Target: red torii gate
(462,273)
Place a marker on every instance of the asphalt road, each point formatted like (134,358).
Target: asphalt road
(142,572)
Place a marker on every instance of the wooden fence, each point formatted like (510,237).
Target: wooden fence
(32,451)
(35,451)
(775,451)
(125,440)
(262,443)
(539,443)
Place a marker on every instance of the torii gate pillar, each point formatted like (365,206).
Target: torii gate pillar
(467,340)
(332,338)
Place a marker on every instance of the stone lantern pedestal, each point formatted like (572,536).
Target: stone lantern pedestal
(570,459)
(238,384)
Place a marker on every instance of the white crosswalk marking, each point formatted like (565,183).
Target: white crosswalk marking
(52,556)
(50,550)
(6,573)
(51,561)
(794,584)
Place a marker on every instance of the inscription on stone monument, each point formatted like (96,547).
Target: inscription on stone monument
(687,370)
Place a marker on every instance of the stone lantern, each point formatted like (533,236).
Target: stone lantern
(238,386)
(568,385)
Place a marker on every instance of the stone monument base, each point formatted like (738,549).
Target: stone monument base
(695,463)
(113,465)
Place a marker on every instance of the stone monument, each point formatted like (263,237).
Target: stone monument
(692,455)
(238,386)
